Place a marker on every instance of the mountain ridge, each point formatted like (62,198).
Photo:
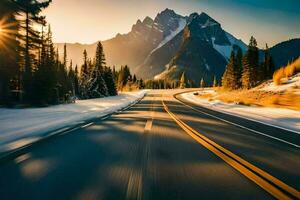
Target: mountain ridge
(154,46)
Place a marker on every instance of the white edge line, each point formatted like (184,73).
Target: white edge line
(224,112)
(275,138)
(86,125)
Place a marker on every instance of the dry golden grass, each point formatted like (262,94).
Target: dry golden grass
(286,72)
(278,75)
(130,88)
(259,98)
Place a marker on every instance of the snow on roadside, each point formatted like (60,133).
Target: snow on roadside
(285,118)
(292,83)
(19,127)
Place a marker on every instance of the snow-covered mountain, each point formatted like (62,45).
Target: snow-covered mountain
(201,49)
(169,44)
(134,47)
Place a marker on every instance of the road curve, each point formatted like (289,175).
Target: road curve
(143,153)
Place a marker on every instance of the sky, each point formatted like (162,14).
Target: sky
(87,21)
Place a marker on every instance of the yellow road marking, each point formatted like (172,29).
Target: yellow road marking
(262,173)
(149,122)
(148,125)
(238,163)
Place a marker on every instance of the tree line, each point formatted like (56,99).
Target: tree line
(245,71)
(31,71)
(30,68)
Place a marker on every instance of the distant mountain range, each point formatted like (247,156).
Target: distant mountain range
(164,47)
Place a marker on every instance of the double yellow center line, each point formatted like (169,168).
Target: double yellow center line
(269,183)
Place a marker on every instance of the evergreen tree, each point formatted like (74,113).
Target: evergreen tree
(64,89)
(230,79)
(121,79)
(124,77)
(250,76)
(31,10)
(76,81)
(71,79)
(110,82)
(239,70)
(215,82)
(182,81)
(127,74)
(115,73)
(98,87)
(84,77)
(268,65)
(44,78)
(202,83)
(65,55)
(8,52)
(134,79)
(141,84)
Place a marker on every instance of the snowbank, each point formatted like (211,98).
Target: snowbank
(285,118)
(19,127)
(292,84)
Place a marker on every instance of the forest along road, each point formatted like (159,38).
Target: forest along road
(159,148)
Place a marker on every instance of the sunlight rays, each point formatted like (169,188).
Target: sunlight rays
(8,32)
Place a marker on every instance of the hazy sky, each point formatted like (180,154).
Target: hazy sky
(86,21)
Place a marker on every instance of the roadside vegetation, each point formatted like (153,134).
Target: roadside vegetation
(33,74)
(248,82)
(282,99)
(284,73)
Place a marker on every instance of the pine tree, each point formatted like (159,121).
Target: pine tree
(63,86)
(124,77)
(84,77)
(65,55)
(76,81)
(110,82)
(127,74)
(8,52)
(182,81)
(239,70)
(202,83)
(121,79)
(31,10)
(141,84)
(71,79)
(250,76)
(44,78)
(98,87)
(268,64)
(230,79)
(215,82)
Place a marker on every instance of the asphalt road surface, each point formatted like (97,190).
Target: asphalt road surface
(159,148)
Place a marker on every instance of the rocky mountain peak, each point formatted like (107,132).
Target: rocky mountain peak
(167,12)
(168,21)
(148,21)
(202,19)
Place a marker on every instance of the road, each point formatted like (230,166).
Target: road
(159,148)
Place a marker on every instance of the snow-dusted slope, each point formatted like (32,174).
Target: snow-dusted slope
(181,25)
(225,50)
(292,85)
(19,127)
(237,42)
